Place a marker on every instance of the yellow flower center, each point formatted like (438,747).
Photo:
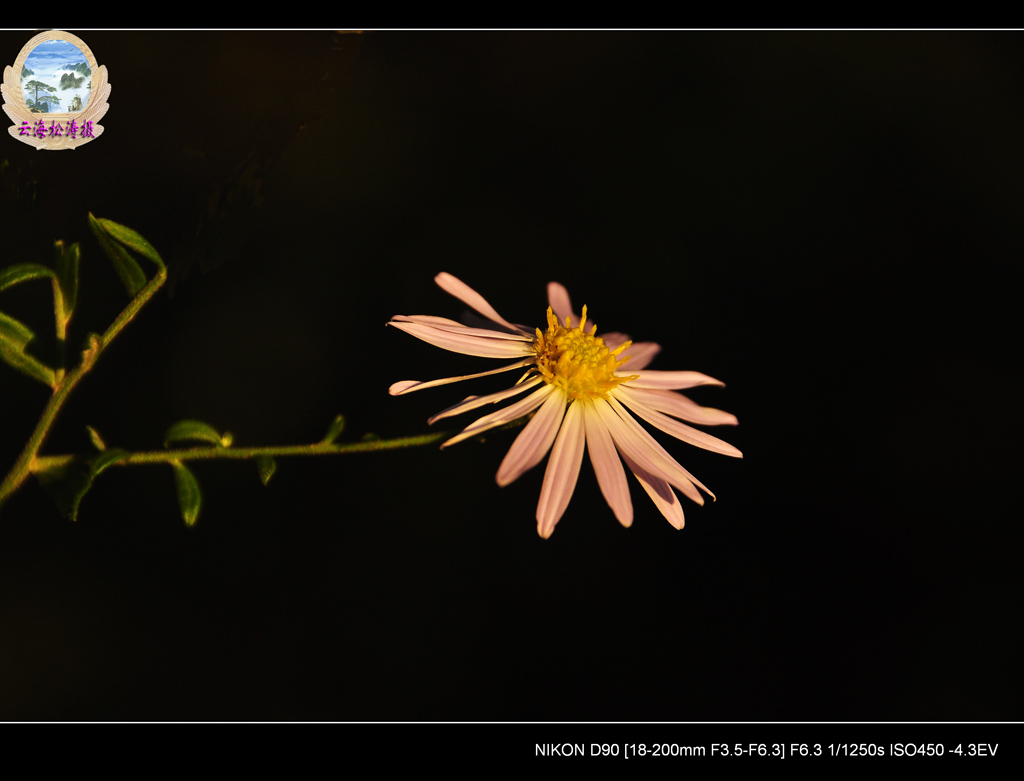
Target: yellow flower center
(578,362)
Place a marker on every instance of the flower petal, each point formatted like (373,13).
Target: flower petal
(408,386)
(429,319)
(633,441)
(466,343)
(444,324)
(613,339)
(471,298)
(562,472)
(534,440)
(506,415)
(679,406)
(674,427)
(669,380)
(661,493)
(558,299)
(611,477)
(639,353)
(472,402)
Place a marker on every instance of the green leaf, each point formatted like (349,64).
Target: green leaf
(130,272)
(195,431)
(189,496)
(28,365)
(14,337)
(22,272)
(266,466)
(96,439)
(131,239)
(67,275)
(336,427)
(14,331)
(107,458)
(69,483)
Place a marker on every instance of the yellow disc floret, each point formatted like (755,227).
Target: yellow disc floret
(576,361)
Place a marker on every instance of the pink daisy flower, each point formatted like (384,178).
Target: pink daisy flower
(581,390)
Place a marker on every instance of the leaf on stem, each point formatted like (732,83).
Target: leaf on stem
(130,272)
(266,466)
(195,431)
(106,458)
(96,439)
(133,240)
(334,431)
(14,331)
(67,275)
(68,483)
(189,496)
(14,338)
(22,272)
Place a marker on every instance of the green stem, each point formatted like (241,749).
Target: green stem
(25,464)
(206,452)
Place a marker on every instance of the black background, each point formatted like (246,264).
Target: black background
(828,222)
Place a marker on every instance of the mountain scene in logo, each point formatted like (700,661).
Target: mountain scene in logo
(56,79)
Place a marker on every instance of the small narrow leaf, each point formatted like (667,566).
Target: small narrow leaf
(28,365)
(67,275)
(14,331)
(14,336)
(22,272)
(336,427)
(266,466)
(132,276)
(107,458)
(192,430)
(189,497)
(131,239)
(69,483)
(96,439)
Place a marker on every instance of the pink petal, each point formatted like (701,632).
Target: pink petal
(408,386)
(611,477)
(669,380)
(674,427)
(471,298)
(661,493)
(639,353)
(534,440)
(558,299)
(444,324)
(679,406)
(467,344)
(631,440)
(562,472)
(473,402)
(506,415)
(612,339)
(429,319)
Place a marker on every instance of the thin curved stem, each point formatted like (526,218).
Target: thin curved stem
(206,452)
(25,464)
(209,453)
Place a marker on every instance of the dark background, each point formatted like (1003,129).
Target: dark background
(828,222)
